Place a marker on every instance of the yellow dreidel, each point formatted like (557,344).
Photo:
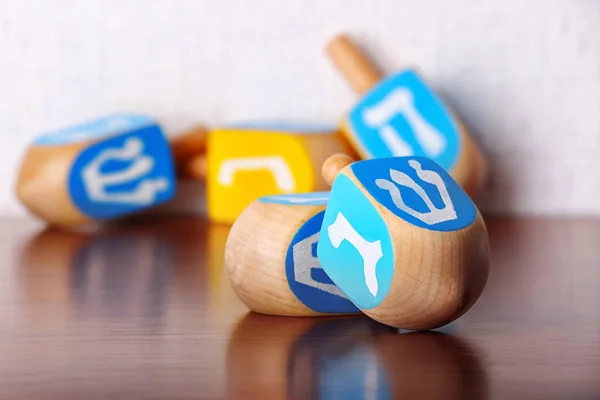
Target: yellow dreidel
(103,169)
(402,240)
(401,116)
(245,162)
(271,259)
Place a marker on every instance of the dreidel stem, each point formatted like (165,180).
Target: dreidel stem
(333,165)
(196,168)
(186,148)
(359,71)
(189,144)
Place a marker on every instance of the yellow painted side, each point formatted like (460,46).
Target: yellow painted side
(244,165)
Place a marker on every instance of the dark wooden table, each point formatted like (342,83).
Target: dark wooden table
(144,310)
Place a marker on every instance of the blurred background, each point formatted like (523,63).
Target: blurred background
(523,75)
(146,310)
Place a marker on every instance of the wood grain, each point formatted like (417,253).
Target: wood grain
(255,256)
(360,72)
(143,310)
(42,184)
(438,275)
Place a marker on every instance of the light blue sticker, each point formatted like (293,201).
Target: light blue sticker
(123,174)
(417,190)
(284,126)
(306,278)
(401,116)
(307,199)
(355,248)
(100,128)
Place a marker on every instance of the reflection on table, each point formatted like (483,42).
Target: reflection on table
(348,357)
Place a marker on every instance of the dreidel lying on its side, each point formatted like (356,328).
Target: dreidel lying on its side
(271,259)
(245,162)
(401,116)
(403,240)
(101,170)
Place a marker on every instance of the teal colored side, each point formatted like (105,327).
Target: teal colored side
(341,260)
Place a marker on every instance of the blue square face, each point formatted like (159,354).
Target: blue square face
(355,247)
(123,174)
(418,191)
(305,275)
(94,130)
(401,116)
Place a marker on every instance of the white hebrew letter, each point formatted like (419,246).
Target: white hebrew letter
(370,252)
(276,165)
(304,262)
(435,215)
(402,101)
(96,181)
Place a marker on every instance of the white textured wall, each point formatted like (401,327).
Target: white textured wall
(523,74)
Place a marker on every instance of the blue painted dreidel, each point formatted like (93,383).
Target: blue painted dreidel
(401,116)
(96,171)
(403,241)
(271,258)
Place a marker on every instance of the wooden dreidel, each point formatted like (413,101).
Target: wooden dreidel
(401,116)
(403,241)
(100,170)
(271,260)
(246,162)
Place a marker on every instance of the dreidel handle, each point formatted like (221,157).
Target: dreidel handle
(188,149)
(189,144)
(195,168)
(333,165)
(359,71)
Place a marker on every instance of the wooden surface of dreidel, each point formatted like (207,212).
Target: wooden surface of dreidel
(103,169)
(400,115)
(271,259)
(403,240)
(244,163)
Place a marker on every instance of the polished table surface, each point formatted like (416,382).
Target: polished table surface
(144,310)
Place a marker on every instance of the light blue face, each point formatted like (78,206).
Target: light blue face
(355,247)
(401,116)
(97,129)
(418,191)
(308,199)
(307,279)
(123,174)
